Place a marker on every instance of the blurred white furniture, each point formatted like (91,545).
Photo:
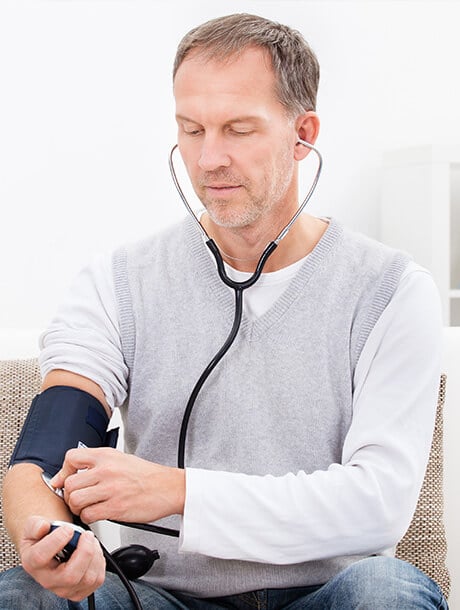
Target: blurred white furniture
(420,213)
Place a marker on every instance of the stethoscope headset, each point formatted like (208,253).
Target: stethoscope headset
(132,562)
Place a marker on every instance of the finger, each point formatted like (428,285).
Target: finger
(89,557)
(75,459)
(85,498)
(98,512)
(42,554)
(81,479)
(85,570)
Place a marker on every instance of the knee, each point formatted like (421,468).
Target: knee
(386,583)
(19,591)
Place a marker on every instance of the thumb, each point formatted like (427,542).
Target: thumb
(58,480)
(36,527)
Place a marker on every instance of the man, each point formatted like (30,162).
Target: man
(308,443)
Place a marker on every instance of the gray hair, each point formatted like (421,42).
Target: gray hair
(295,64)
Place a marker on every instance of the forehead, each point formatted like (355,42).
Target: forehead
(245,80)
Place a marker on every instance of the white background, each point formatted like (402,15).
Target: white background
(86,124)
(86,120)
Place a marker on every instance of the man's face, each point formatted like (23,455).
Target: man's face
(235,138)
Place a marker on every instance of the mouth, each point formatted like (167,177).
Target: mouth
(222,189)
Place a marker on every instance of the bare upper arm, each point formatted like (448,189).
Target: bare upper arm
(61,377)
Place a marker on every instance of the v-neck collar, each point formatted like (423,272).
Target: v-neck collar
(254,329)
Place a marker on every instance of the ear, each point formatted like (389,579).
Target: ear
(307,127)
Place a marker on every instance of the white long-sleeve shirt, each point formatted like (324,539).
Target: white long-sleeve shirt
(226,512)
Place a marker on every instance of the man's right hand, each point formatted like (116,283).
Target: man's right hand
(74,579)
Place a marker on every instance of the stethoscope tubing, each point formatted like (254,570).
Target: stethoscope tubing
(205,374)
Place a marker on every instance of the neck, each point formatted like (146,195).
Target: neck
(241,248)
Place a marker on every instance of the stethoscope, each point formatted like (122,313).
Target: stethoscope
(133,562)
(238,287)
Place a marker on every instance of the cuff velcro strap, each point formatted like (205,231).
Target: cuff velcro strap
(59,419)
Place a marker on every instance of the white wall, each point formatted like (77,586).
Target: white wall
(86,119)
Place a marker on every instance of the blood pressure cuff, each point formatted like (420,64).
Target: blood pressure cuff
(59,419)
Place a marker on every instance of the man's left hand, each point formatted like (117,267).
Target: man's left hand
(105,483)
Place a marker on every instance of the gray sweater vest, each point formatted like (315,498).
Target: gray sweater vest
(279,402)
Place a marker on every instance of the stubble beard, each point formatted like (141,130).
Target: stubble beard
(224,212)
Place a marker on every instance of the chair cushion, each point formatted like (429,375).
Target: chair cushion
(424,544)
(19,383)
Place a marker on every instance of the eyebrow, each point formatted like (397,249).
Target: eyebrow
(242,119)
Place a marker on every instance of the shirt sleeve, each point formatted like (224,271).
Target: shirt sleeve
(364,504)
(84,338)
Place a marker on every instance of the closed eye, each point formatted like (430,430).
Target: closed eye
(193,132)
(241,132)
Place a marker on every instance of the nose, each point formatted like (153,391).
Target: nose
(213,154)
